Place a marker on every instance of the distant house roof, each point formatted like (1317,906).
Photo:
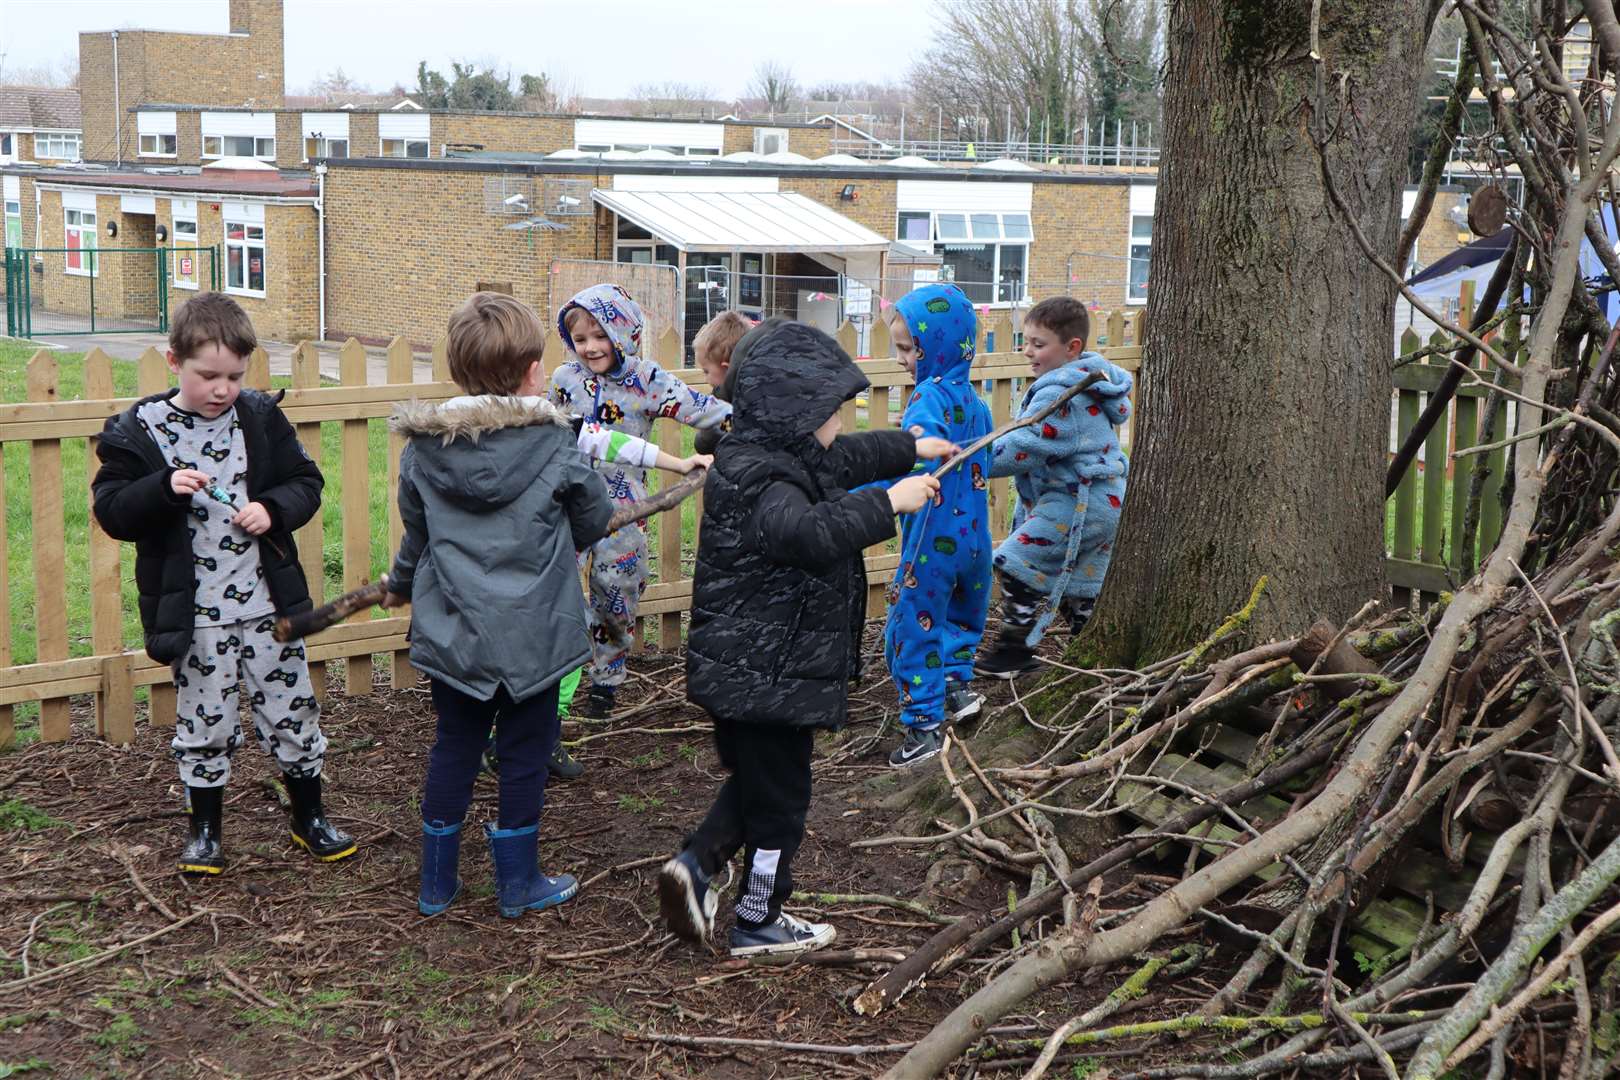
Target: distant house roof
(39,108)
(322,103)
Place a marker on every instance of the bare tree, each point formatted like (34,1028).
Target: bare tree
(64,72)
(336,85)
(773,83)
(672,98)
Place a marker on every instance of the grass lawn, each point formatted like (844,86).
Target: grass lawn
(76,475)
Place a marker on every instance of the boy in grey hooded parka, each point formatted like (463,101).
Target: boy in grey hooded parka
(496,500)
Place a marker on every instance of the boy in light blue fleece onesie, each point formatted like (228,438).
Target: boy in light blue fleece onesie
(937,606)
(609,382)
(1070,474)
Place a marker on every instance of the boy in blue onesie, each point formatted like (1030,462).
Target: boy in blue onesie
(938,603)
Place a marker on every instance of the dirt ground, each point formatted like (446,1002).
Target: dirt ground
(286,968)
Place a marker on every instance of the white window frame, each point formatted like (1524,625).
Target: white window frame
(1133,296)
(8,146)
(937,244)
(185,215)
(403,146)
(264,148)
(322,132)
(158,139)
(87,263)
(13,209)
(320,146)
(64,145)
(248,244)
(761,134)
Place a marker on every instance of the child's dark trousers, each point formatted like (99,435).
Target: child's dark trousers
(526,733)
(761,808)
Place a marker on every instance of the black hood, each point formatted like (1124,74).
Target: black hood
(793,379)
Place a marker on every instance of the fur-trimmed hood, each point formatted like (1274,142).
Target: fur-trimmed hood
(471,416)
(483,451)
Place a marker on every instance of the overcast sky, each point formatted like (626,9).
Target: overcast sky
(600,49)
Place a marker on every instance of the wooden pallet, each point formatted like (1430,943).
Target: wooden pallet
(1219,760)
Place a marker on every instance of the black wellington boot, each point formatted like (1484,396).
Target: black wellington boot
(203,854)
(1009,656)
(310,829)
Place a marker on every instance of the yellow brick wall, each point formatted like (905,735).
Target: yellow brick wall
(23,146)
(811,142)
(1441,235)
(1082,232)
(874,205)
(494,131)
(363,135)
(289,140)
(181,69)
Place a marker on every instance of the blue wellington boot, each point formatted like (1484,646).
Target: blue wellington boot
(441,853)
(520,886)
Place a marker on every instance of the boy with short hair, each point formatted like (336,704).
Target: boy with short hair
(938,603)
(496,500)
(209,481)
(608,381)
(1070,474)
(778,604)
(714,349)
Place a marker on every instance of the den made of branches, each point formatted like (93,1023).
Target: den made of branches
(1401,822)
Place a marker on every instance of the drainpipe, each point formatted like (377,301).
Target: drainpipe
(320,245)
(118,112)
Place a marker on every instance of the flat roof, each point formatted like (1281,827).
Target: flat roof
(156,107)
(768,221)
(279,185)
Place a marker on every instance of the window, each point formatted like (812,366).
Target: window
(80,230)
(63,145)
(244,258)
(13,223)
(317,147)
(6,145)
(157,145)
(770,140)
(185,262)
(1141,252)
(406,148)
(985,253)
(216,146)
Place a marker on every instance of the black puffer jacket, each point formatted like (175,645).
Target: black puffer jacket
(778,595)
(133,501)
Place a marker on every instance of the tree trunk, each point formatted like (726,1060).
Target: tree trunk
(1266,392)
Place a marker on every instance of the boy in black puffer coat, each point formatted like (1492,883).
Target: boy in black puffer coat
(778,603)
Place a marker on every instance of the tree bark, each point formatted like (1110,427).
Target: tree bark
(1266,391)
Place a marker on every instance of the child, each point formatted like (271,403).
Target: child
(209,481)
(1070,475)
(713,348)
(778,606)
(609,382)
(495,500)
(937,609)
(599,444)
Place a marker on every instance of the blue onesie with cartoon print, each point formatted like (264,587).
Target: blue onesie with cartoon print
(938,605)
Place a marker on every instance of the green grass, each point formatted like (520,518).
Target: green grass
(77,471)
(16,815)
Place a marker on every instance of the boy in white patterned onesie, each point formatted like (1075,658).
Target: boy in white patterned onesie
(209,481)
(607,381)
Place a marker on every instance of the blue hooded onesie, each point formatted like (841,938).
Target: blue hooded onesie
(938,604)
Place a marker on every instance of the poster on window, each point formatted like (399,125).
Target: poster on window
(857,299)
(185,265)
(255,266)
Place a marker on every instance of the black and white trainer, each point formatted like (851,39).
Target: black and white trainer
(962,702)
(785,935)
(685,899)
(920,744)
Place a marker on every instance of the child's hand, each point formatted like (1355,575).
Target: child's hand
(252,519)
(188,481)
(929,448)
(696,461)
(391,598)
(909,495)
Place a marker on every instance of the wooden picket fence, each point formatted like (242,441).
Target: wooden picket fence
(115,668)
(1426,553)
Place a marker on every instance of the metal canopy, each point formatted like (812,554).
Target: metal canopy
(766,221)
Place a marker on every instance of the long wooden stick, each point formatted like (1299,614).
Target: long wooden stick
(667,499)
(1013,425)
(293,627)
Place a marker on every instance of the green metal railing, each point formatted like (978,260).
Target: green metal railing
(20,284)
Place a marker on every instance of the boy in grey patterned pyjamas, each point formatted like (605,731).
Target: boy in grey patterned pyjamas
(607,381)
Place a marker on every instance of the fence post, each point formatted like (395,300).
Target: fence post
(8,731)
(50,544)
(356,509)
(115,703)
(401,369)
(670,529)
(152,377)
(306,375)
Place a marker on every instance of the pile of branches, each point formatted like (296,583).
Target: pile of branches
(1495,712)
